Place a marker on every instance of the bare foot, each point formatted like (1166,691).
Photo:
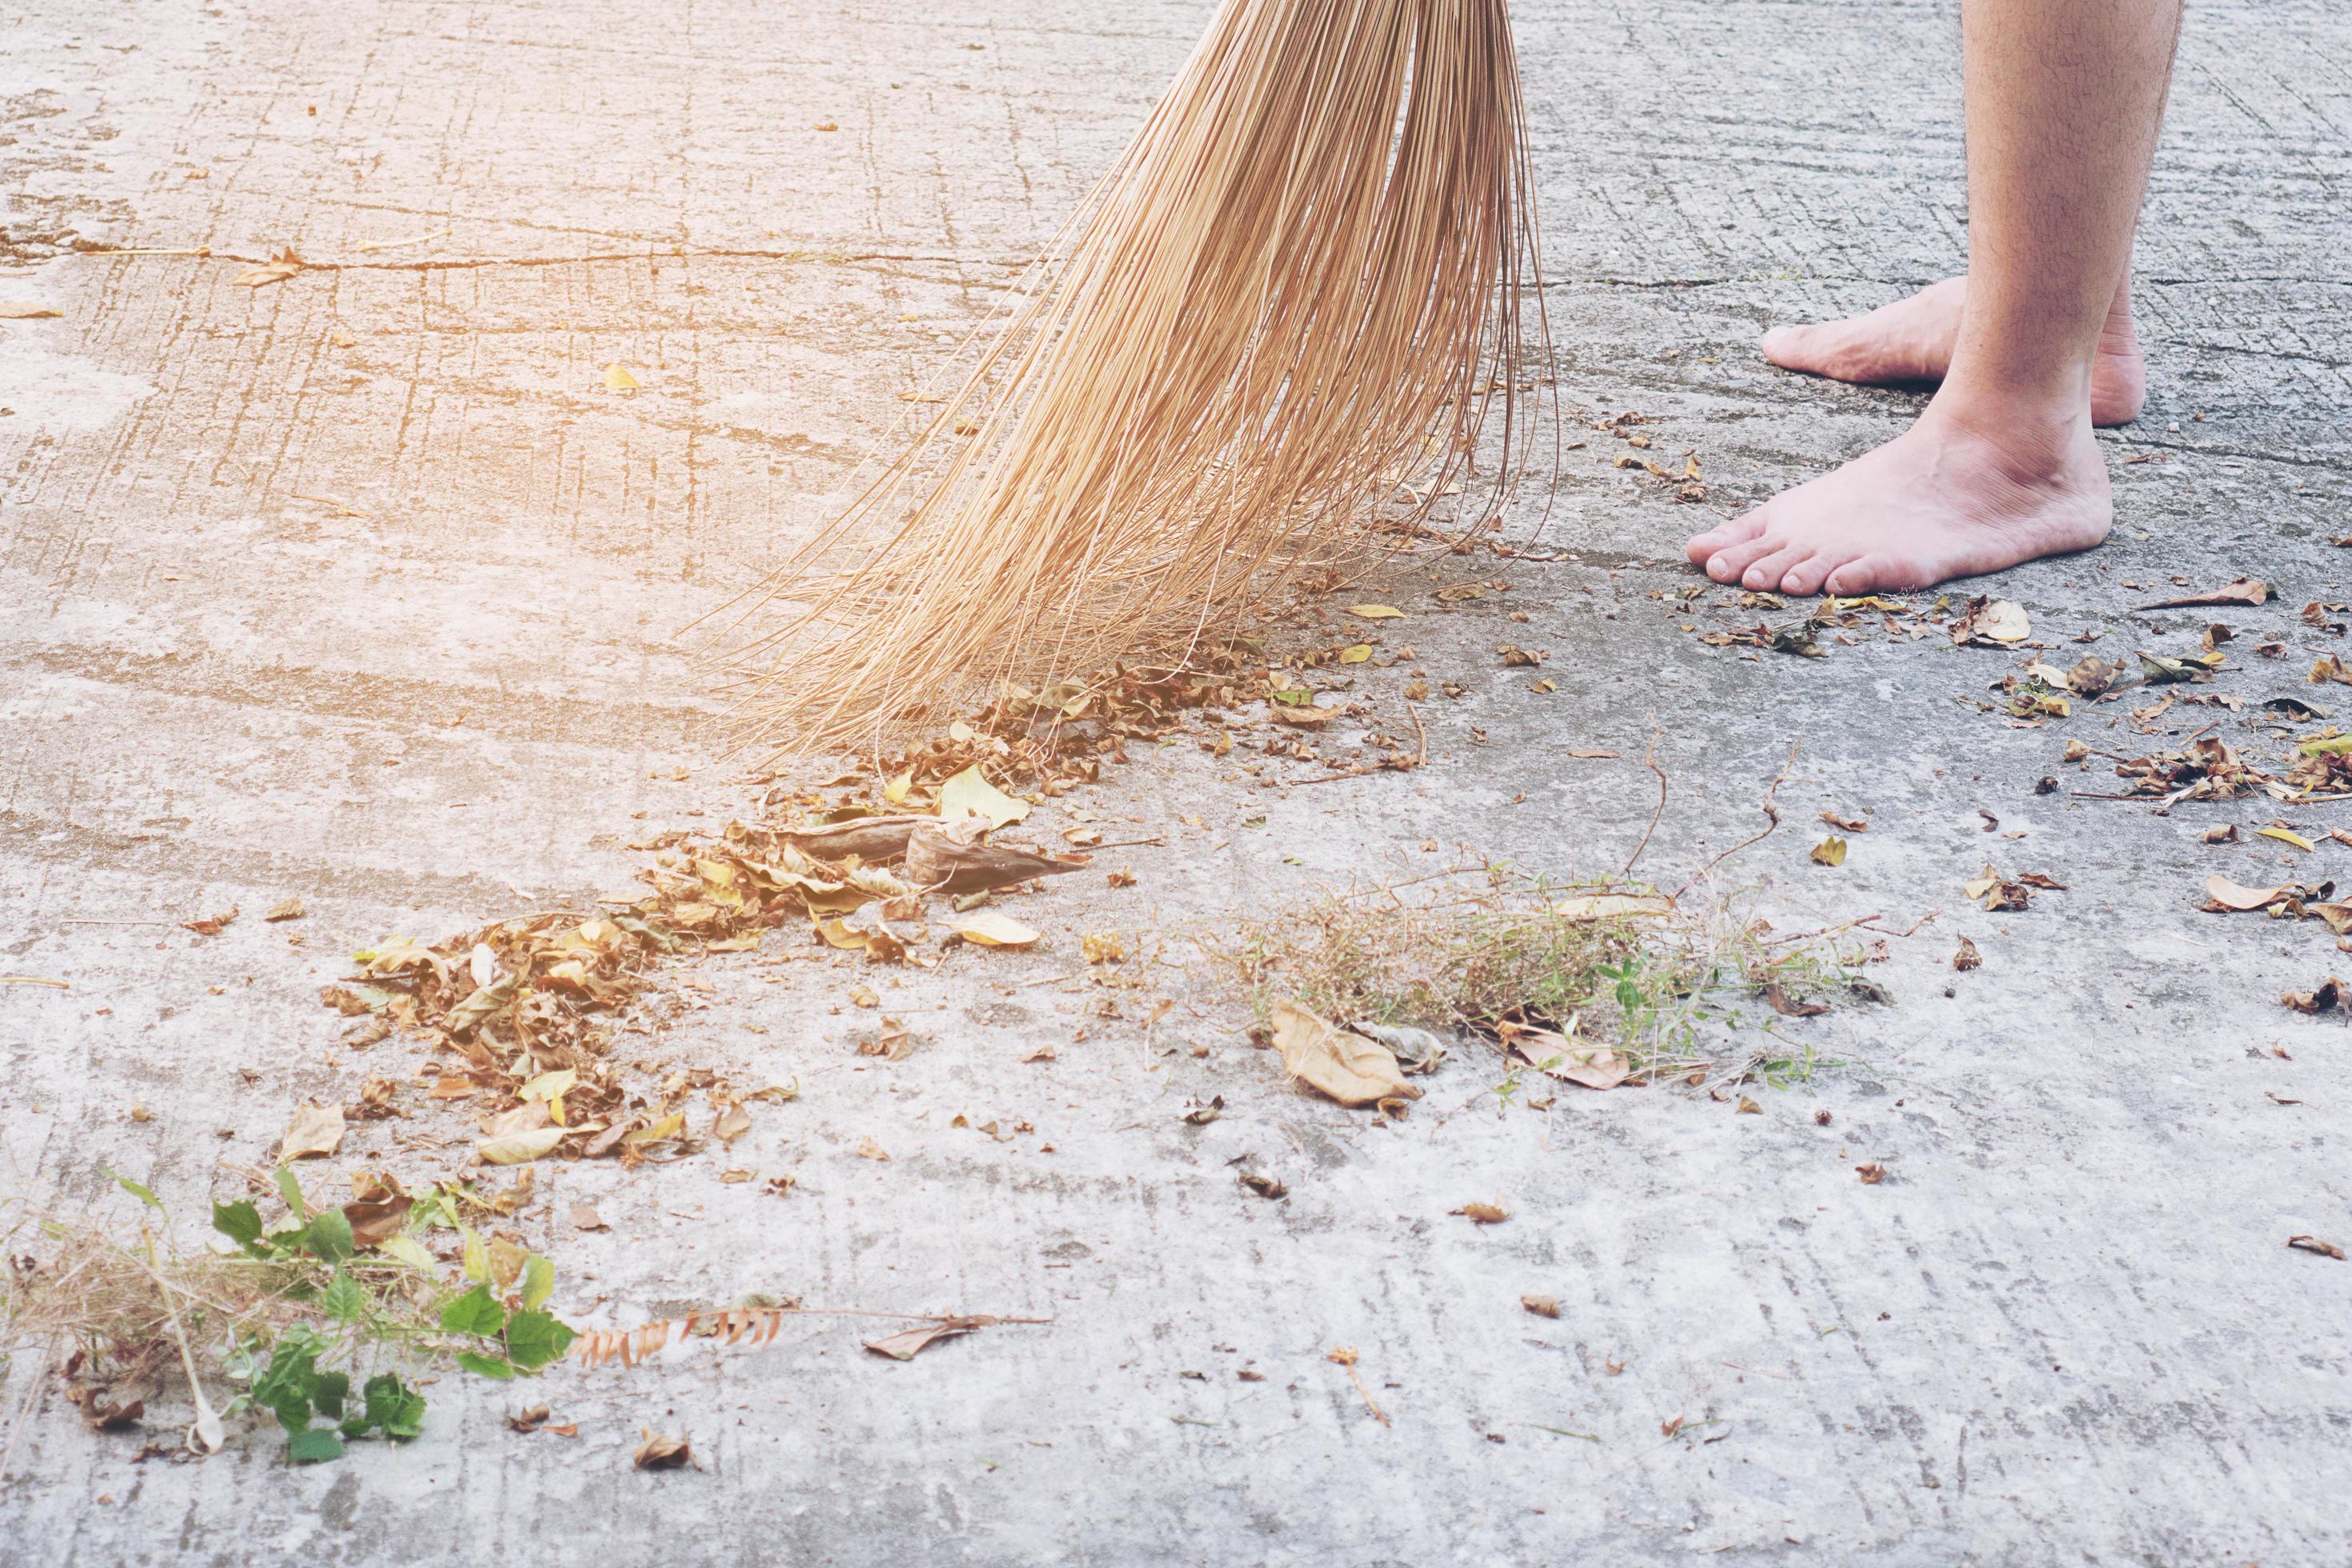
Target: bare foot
(1951,496)
(1912,340)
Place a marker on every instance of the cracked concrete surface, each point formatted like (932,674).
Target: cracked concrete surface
(361,587)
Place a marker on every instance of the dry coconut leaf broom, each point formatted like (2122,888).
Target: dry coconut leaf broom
(1287,314)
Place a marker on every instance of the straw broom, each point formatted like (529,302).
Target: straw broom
(1288,314)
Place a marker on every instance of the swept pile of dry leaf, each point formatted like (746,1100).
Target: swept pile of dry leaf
(519,1017)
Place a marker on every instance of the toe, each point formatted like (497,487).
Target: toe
(1806,574)
(1763,576)
(1738,531)
(1730,564)
(1865,575)
(1790,348)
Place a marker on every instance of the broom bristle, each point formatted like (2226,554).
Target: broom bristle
(1297,297)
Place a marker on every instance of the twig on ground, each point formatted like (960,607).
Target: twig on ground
(1347,1358)
(1825,930)
(1772,822)
(1649,761)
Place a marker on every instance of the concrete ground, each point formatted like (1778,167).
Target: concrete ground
(361,587)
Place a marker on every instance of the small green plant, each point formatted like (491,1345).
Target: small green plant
(291,1387)
(293,1315)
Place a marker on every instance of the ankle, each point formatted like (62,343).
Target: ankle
(2033,441)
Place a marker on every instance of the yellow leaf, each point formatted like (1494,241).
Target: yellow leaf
(986,928)
(618,379)
(519,1148)
(839,935)
(969,794)
(2284,837)
(1376,612)
(896,792)
(549,1085)
(669,1126)
(315,1129)
(1829,851)
(22,310)
(406,1249)
(1357,654)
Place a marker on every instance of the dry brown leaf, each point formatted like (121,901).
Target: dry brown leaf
(290,910)
(1994,623)
(869,1149)
(276,269)
(507,1259)
(2245,591)
(1343,1064)
(374,1221)
(1871,1175)
(24,310)
(1968,957)
(315,1129)
(1788,1007)
(1541,1306)
(2325,997)
(2313,1244)
(585,1218)
(2220,893)
(656,1452)
(211,925)
(1483,1214)
(1557,1055)
(731,1123)
(100,1412)
(1846,824)
(908,1343)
